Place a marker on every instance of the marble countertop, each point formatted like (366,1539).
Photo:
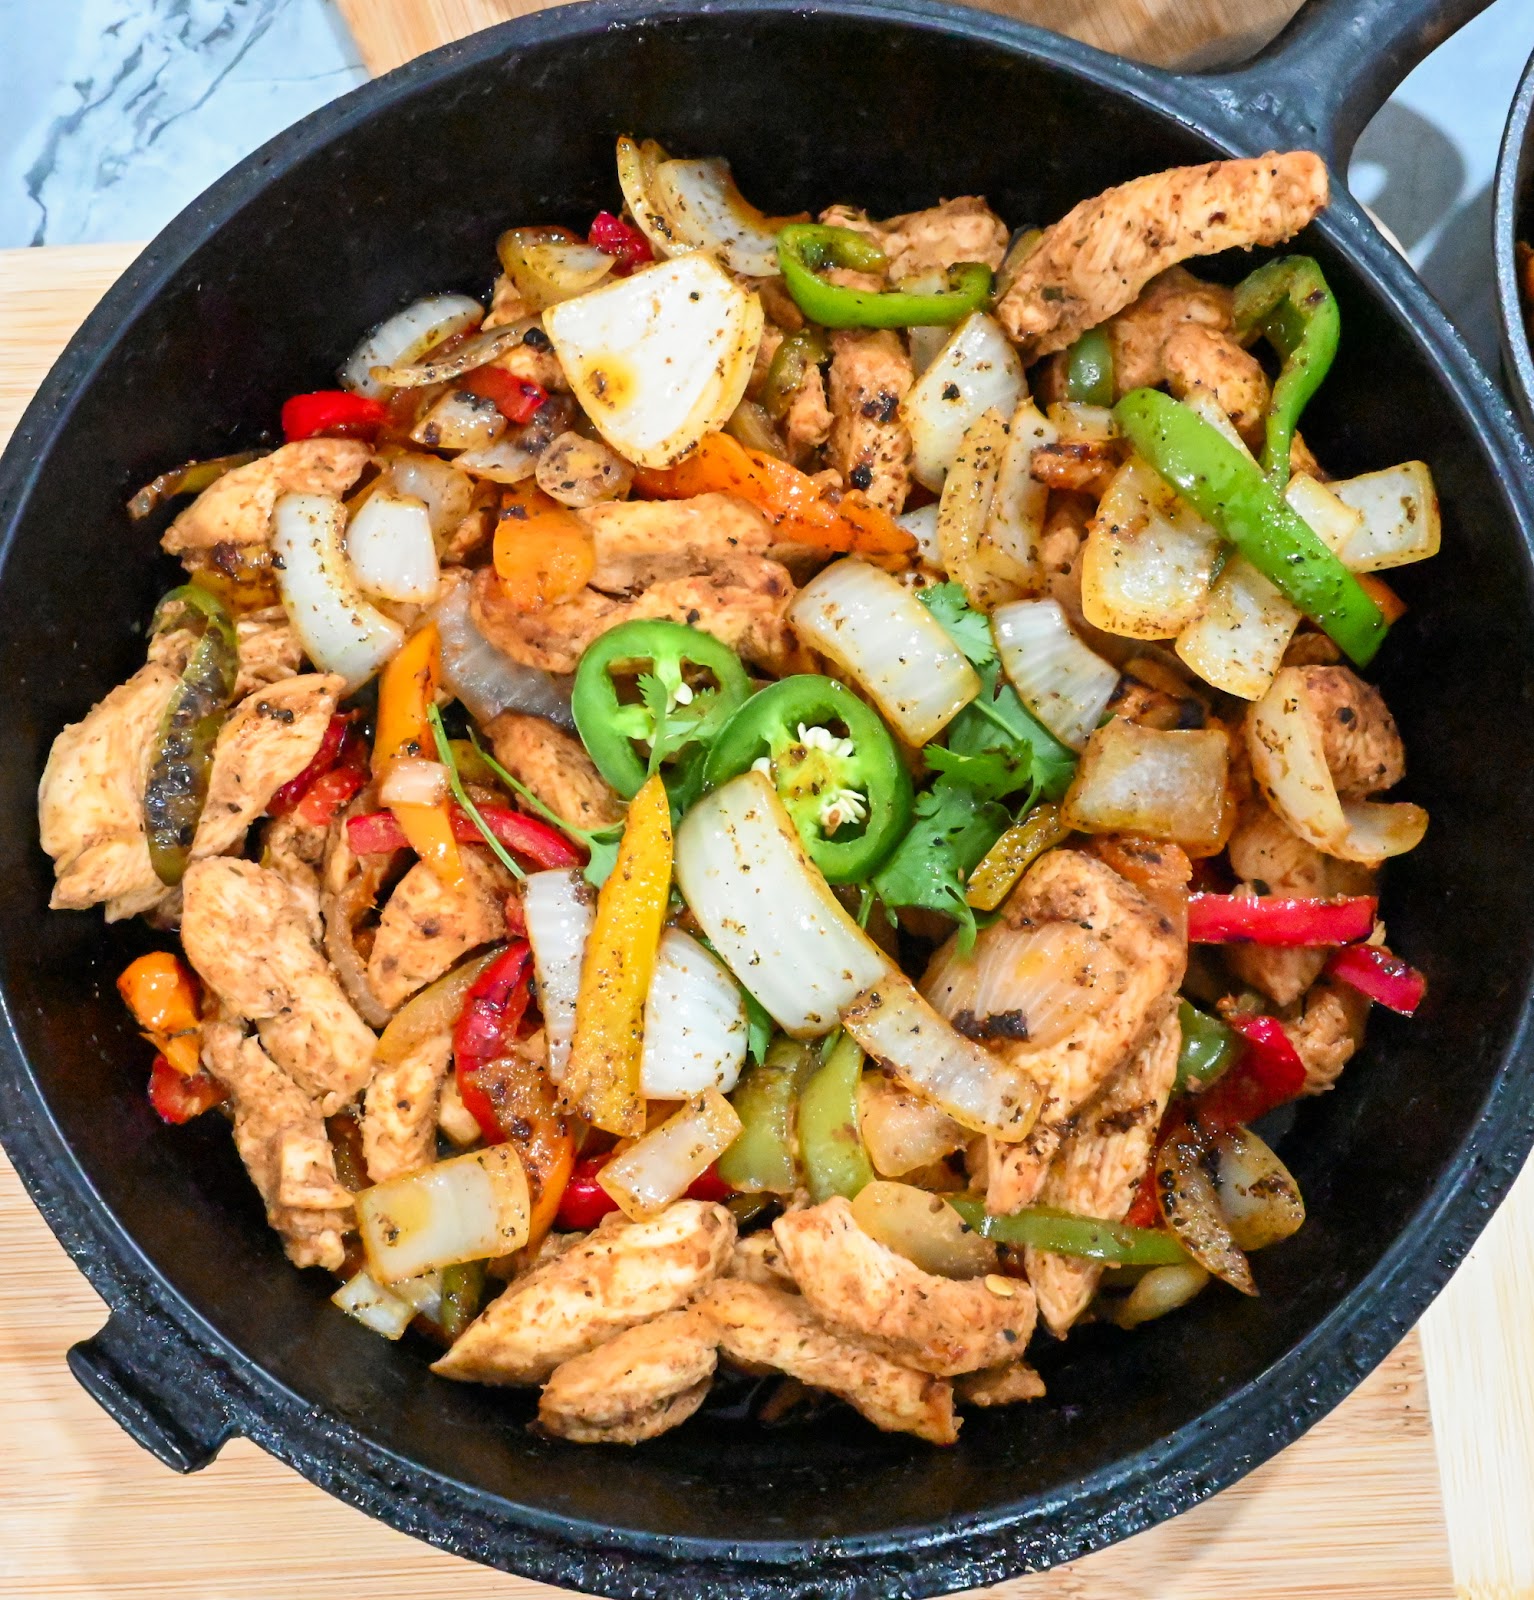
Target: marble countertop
(115,113)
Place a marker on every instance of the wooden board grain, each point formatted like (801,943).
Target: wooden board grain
(1350,1512)
(1180,33)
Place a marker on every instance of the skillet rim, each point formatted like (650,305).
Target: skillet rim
(155,1346)
(1512,193)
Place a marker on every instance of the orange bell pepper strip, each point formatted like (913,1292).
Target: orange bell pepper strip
(162,995)
(406,690)
(602,1077)
(804,512)
(1380,592)
(543,552)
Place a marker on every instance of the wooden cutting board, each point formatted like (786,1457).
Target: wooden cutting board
(1380,1501)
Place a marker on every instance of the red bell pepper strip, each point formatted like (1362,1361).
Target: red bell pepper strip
(1274,920)
(177,1097)
(328,793)
(615,237)
(517,399)
(1269,1074)
(1374,971)
(708,1185)
(327,756)
(331,411)
(585,1202)
(378,833)
(492,1010)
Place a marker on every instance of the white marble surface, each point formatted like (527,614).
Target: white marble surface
(115,113)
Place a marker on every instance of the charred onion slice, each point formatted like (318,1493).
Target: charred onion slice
(1190,1207)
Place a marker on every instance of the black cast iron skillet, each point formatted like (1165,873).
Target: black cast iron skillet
(258,290)
(1512,220)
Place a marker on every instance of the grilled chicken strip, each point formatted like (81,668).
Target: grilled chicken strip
(1099,256)
(555,766)
(1364,752)
(999,1386)
(427,925)
(399,1113)
(1099,1168)
(863,1289)
(251,941)
(281,1138)
(767,1329)
(622,1274)
(269,649)
(943,235)
(637,1385)
(869,445)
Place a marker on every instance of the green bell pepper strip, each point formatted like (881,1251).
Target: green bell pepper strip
(762,1161)
(789,367)
(1228,489)
(1067,1234)
(818,774)
(1208,1048)
(1289,301)
(806,249)
(830,1142)
(463,1287)
(181,758)
(672,717)
(1089,369)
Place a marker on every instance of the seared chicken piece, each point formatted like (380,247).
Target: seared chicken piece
(999,1386)
(281,1138)
(1364,753)
(743,602)
(622,1274)
(1138,965)
(427,925)
(1099,256)
(250,939)
(943,235)
(762,1328)
(1328,1033)
(90,804)
(269,649)
(807,422)
(1099,1168)
(635,1386)
(399,1113)
(237,509)
(863,1289)
(869,444)
(639,543)
(555,766)
(757,1259)
(1200,358)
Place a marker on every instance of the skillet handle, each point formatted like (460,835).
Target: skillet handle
(1336,63)
(138,1373)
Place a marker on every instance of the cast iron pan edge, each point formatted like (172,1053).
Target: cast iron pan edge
(1513,219)
(181,1390)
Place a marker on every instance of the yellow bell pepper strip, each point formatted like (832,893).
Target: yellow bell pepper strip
(804,511)
(162,995)
(1012,855)
(543,553)
(806,249)
(602,1077)
(406,694)
(1227,488)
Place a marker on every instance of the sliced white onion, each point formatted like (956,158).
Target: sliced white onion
(463,357)
(902,1131)
(1203,402)
(373,1306)
(904,1035)
(1083,424)
(1063,683)
(660,358)
(1163,783)
(987,573)
(413,781)
(921,524)
(1238,641)
(923,1228)
(767,910)
(707,212)
(1258,1194)
(1161,1290)
(1288,753)
(1015,527)
(1399,517)
(886,640)
(559,908)
(976,369)
(1148,560)
(339,629)
(694,1023)
(423,1293)
(464,1209)
(659,1168)
(446,492)
(548,268)
(637,164)
(405,337)
(1330,519)
(390,547)
(509,460)
(460,420)
(487,680)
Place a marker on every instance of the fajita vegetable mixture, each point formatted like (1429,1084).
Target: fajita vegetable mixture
(782,799)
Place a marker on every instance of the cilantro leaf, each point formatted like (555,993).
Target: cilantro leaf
(990,774)
(759,1027)
(952,830)
(603,847)
(997,723)
(969,629)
